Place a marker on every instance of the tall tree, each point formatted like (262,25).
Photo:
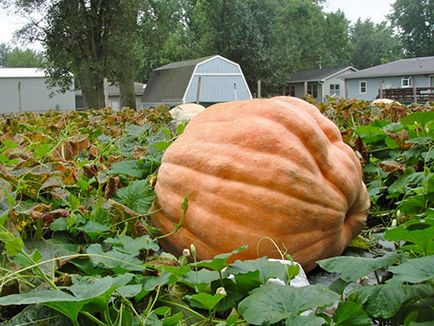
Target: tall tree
(77,36)
(124,45)
(373,44)
(336,39)
(414,20)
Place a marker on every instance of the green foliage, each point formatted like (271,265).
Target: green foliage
(75,237)
(272,303)
(373,44)
(414,20)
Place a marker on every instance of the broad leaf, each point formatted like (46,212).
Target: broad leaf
(219,261)
(267,269)
(311,320)
(135,168)
(384,301)
(114,260)
(350,314)
(272,303)
(205,300)
(353,268)
(414,270)
(137,196)
(418,233)
(200,279)
(133,246)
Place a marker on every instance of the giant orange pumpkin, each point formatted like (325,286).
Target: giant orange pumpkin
(257,169)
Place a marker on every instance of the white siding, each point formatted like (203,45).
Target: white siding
(217,65)
(34,94)
(374,84)
(218,88)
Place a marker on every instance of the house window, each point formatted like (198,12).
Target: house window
(406,81)
(312,89)
(335,90)
(291,90)
(363,87)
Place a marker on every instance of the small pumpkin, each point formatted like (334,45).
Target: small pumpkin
(256,170)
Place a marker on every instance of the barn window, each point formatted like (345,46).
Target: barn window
(406,81)
(292,90)
(363,87)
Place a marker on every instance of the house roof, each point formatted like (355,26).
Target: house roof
(21,73)
(316,74)
(169,83)
(413,66)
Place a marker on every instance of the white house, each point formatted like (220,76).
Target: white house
(25,89)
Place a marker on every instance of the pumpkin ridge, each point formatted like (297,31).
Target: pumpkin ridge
(273,156)
(259,186)
(325,175)
(286,232)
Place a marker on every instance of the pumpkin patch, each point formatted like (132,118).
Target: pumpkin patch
(260,170)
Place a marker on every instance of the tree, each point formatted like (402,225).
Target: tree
(79,37)
(414,20)
(373,44)
(336,39)
(124,45)
(23,58)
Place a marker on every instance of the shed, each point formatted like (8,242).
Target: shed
(25,89)
(403,80)
(206,80)
(318,83)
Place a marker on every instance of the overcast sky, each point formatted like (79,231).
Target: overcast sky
(353,9)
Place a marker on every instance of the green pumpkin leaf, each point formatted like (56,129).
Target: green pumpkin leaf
(351,269)
(137,196)
(311,320)
(13,244)
(384,301)
(205,300)
(135,168)
(414,270)
(219,261)
(415,232)
(350,314)
(200,279)
(114,260)
(421,118)
(133,246)
(271,303)
(267,269)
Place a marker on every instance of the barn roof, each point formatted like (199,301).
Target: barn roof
(21,73)
(169,83)
(316,74)
(413,66)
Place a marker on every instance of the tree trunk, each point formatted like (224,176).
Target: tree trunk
(92,88)
(127,93)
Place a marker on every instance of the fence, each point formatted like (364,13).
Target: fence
(415,94)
